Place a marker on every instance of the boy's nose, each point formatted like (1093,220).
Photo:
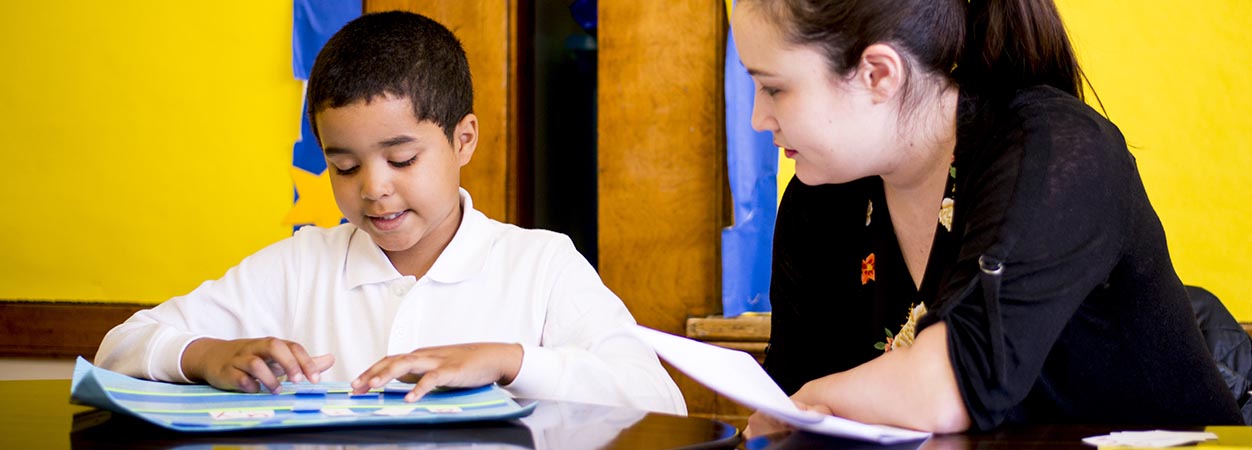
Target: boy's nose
(376,184)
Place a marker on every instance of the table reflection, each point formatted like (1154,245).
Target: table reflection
(552,425)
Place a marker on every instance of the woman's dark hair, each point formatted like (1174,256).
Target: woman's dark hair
(992,46)
(398,53)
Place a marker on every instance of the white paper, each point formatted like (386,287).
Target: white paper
(1155,438)
(738,376)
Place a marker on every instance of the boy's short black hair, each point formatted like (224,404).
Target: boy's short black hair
(398,53)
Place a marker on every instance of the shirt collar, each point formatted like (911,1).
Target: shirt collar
(464,256)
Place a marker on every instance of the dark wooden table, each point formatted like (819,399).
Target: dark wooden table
(38,414)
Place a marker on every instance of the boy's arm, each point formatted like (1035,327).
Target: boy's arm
(249,300)
(587,353)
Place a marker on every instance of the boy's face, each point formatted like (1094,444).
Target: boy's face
(394,177)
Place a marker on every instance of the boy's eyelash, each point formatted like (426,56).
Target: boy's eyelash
(407,163)
(769,90)
(353,169)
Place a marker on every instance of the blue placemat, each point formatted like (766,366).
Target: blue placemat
(203,408)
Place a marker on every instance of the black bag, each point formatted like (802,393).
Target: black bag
(1228,342)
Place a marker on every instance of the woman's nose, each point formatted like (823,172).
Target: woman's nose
(762,115)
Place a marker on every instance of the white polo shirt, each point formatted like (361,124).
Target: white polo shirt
(334,291)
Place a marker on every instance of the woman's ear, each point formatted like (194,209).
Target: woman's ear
(465,137)
(882,72)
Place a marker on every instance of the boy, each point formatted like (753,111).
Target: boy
(455,298)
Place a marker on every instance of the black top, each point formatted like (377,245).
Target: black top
(1055,281)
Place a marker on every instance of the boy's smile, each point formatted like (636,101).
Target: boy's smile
(396,178)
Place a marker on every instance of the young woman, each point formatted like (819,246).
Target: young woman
(954,179)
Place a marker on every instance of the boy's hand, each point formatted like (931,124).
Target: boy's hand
(238,365)
(462,365)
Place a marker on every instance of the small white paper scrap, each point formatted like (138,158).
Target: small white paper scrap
(446,409)
(1154,438)
(249,414)
(394,410)
(338,412)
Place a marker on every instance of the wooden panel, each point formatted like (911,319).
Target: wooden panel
(749,333)
(750,328)
(662,165)
(488,31)
(661,158)
(58,329)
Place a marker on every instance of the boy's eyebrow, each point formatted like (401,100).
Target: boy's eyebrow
(385,143)
(398,140)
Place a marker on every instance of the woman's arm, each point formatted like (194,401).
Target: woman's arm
(913,387)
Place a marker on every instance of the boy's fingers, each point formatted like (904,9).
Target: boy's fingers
(243,382)
(408,365)
(321,364)
(258,368)
(392,367)
(280,352)
(429,381)
(362,381)
(307,368)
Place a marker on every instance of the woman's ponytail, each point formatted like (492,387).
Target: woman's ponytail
(1011,44)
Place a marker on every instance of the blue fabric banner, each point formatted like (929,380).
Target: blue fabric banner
(315,21)
(752,165)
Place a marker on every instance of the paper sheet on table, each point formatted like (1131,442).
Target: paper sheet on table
(1148,439)
(737,375)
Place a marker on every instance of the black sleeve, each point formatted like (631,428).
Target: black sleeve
(1042,230)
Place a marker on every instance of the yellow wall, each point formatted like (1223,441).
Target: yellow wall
(146,144)
(1176,77)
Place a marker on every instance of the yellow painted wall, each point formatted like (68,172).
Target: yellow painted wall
(1176,77)
(146,144)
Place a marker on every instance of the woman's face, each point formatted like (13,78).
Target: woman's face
(828,123)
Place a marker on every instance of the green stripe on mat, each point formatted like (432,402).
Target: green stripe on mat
(285,408)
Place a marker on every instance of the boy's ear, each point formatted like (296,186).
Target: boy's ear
(881,71)
(465,138)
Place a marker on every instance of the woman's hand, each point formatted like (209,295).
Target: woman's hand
(760,423)
(462,365)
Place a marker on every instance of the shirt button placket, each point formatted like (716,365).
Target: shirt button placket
(400,330)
